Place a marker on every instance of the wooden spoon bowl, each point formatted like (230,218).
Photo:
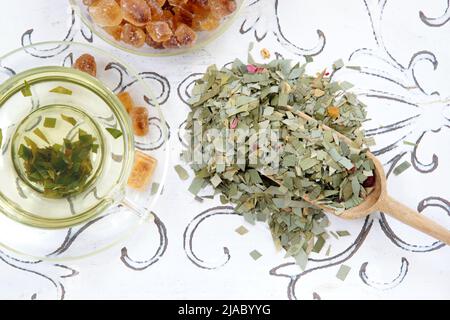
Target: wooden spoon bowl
(373,199)
(379,200)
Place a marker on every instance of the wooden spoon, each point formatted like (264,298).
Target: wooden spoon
(379,199)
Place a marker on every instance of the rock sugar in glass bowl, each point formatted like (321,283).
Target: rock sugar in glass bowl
(157,27)
(69,148)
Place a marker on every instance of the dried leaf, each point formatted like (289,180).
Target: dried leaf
(255,254)
(334,234)
(408,143)
(40,134)
(154,188)
(343,272)
(301,259)
(61,90)
(70,120)
(196,185)
(114,132)
(357,68)
(182,173)
(215,180)
(343,233)
(318,245)
(338,64)
(241,230)
(50,123)
(26,90)
(401,167)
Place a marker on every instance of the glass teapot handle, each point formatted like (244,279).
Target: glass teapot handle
(141,212)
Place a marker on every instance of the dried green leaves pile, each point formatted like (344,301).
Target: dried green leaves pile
(298,158)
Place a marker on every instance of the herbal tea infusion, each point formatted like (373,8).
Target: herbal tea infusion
(69,148)
(61,169)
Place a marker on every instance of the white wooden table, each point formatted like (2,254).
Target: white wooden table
(193,250)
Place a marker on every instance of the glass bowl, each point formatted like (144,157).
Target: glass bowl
(106,211)
(204,37)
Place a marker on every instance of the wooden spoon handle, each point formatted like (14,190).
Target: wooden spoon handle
(414,219)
